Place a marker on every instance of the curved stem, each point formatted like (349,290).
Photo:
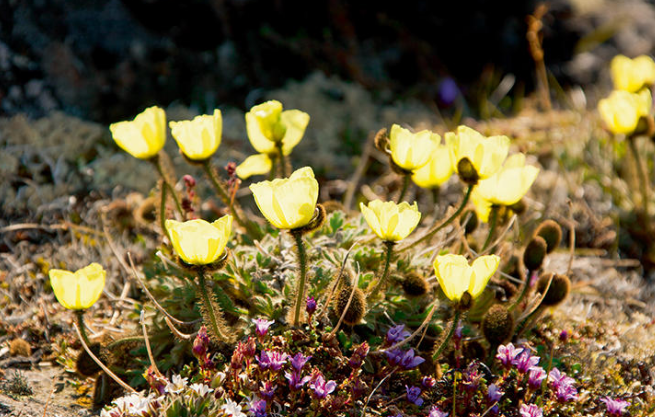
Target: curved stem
(157,161)
(428,235)
(643,183)
(213,321)
(524,291)
(302,269)
(403,190)
(492,227)
(385,274)
(80,324)
(162,210)
(449,336)
(232,205)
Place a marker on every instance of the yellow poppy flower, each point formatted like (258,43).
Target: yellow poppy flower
(288,203)
(509,185)
(199,138)
(199,242)
(390,221)
(632,74)
(437,171)
(144,136)
(456,276)
(482,206)
(622,110)
(258,164)
(78,290)
(486,154)
(409,150)
(267,125)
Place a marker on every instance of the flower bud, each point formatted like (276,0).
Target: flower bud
(415,285)
(467,171)
(357,308)
(551,232)
(534,254)
(560,285)
(498,325)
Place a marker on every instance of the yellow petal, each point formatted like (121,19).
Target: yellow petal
(199,138)
(295,122)
(257,139)
(437,171)
(486,154)
(390,221)
(482,206)
(288,203)
(78,290)
(199,242)
(453,274)
(622,110)
(143,137)
(254,165)
(631,75)
(483,269)
(509,185)
(411,151)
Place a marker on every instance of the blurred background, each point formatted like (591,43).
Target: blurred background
(107,60)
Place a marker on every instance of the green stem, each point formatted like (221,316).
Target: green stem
(436,228)
(282,161)
(162,210)
(403,191)
(202,287)
(302,269)
(492,227)
(385,274)
(524,291)
(643,183)
(449,336)
(232,205)
(157,161)
(80,324)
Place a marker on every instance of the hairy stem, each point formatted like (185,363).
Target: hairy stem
(213,321)
(403,191)
(157,161)
(428,235)
(451,332)
(80,324)
(385,274)
(302,270)
(643,183)
(232,205)
(492,227)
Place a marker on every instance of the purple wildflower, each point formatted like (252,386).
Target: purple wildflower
(564,335)
(397,334)
(536,377)
(436,412)
(494,393)
(428,382)
(524,362)
(310,306)
(409,361)
(296,381)
(557,378)
(472,377)
(566,393)
(267,390)
(299,360)
(272,359)
(615,407)
(507,354)
(257,408)
(201,343)
(322,388)
(359,355)
(414,395)
(261,326)
(531,411)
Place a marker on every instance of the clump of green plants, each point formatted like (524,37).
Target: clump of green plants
(306,312)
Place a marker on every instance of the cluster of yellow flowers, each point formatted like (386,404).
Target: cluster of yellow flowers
(291,203)
(624,111)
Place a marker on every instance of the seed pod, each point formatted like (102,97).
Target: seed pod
(85,365)
(471,220)
(357,308)
(534,254)
(415,285)
(559,289)
(382,140)
(498,325)
(19,347)
(519,207)
(551,232)
(467,171)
